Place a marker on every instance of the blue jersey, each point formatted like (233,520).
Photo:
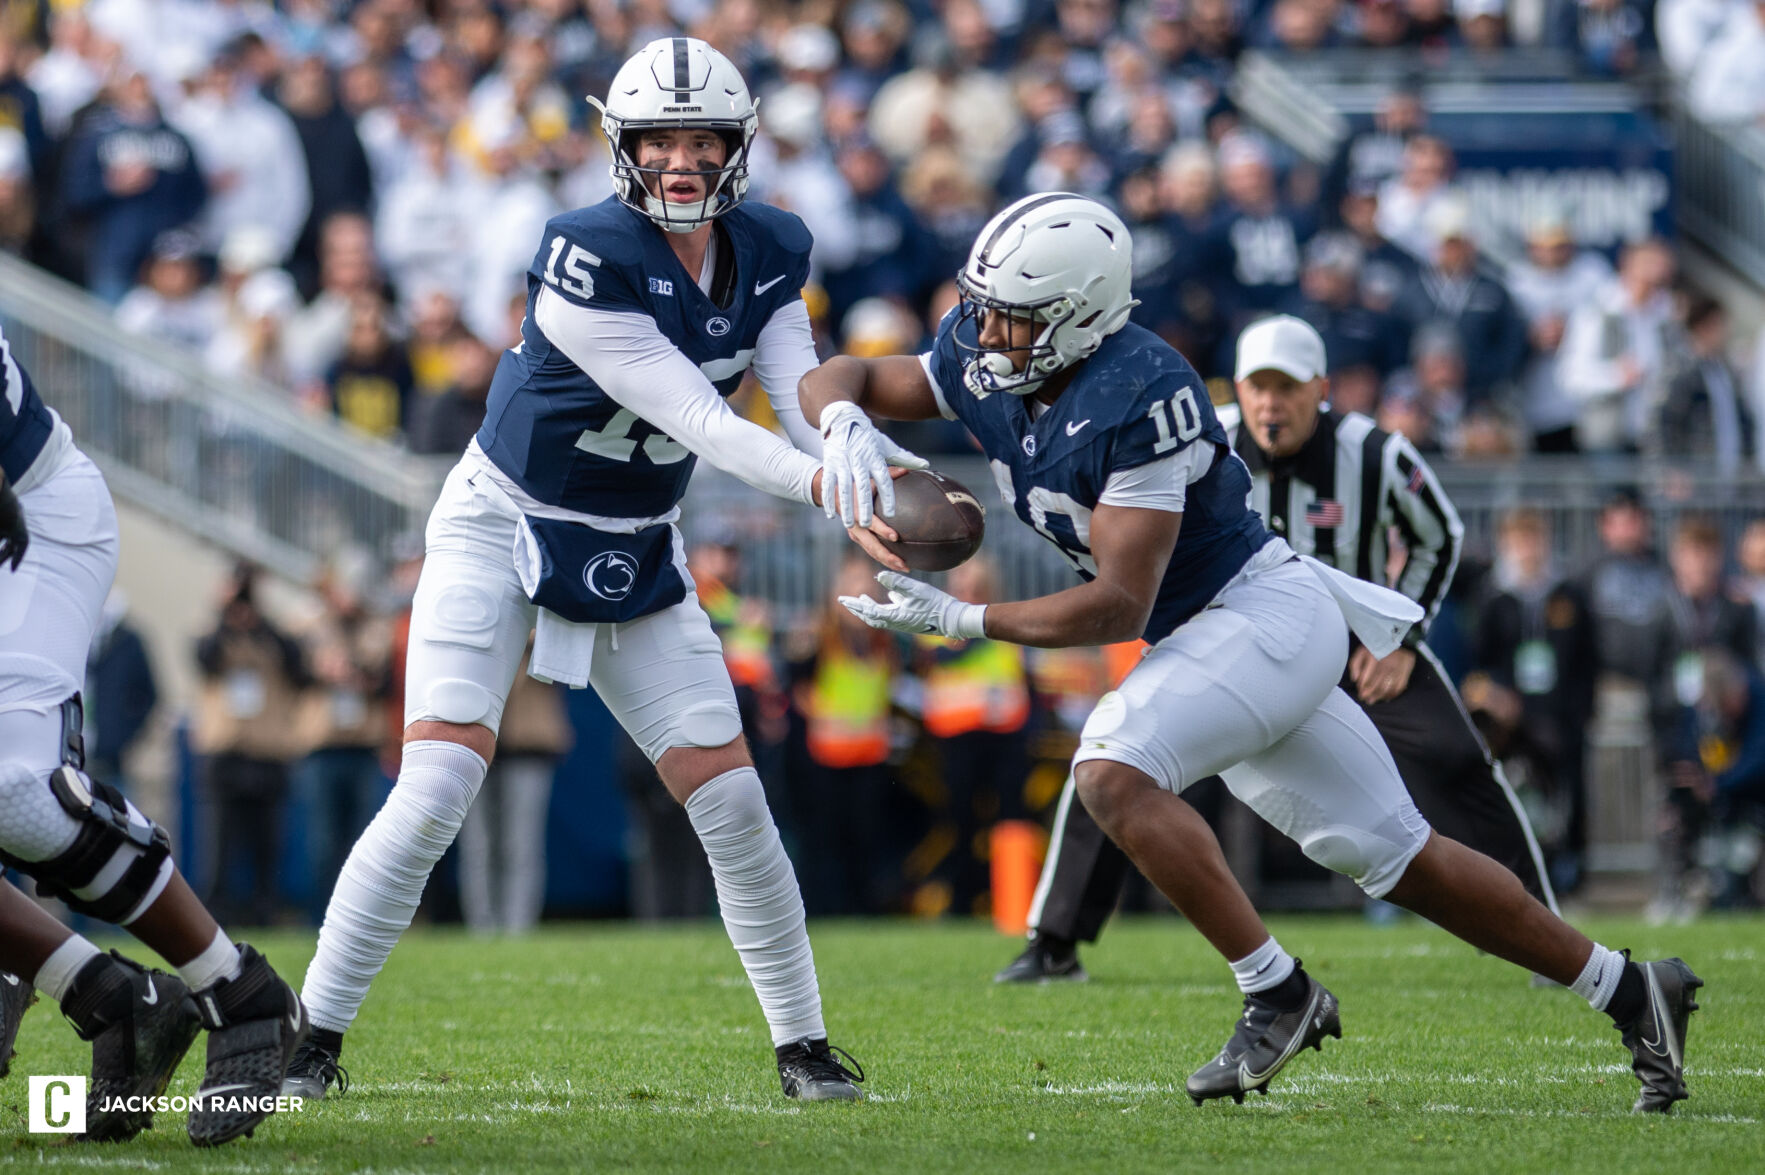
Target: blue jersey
(552,429)
(1135,400)
(25,421)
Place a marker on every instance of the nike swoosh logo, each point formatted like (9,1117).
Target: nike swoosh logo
(295,1018)
(1265,967)
(761,289)
(1072,429)
(1658,1002)
(9,977)
(152,996)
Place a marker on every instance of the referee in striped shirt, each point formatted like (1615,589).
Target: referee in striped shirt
(1335,487)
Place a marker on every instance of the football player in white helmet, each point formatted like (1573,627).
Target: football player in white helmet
(644,312)
(1111,450)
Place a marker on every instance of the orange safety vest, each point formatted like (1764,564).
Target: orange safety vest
(981,688)
(848,715)
(747,648)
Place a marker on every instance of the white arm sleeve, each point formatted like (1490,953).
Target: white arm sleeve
(1158,485)
(786,354)
(635,364)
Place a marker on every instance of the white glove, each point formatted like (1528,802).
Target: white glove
(853,455)
(918,607)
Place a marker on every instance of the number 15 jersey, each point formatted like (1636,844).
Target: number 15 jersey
(1133,402)
(556,433)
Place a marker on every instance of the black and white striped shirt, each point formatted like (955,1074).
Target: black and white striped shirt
(1343,494)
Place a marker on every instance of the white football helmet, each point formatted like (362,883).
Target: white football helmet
(1062,259)
(678,82)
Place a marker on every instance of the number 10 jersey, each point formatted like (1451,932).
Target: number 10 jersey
(1134,401)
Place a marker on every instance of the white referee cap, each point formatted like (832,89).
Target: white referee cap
(1282,343)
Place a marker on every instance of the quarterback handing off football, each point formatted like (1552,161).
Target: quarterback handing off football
(939,521)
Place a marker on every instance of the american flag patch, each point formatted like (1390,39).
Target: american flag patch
(1417,481)
(1324,513)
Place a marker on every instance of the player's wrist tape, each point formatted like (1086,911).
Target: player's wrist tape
(969,622)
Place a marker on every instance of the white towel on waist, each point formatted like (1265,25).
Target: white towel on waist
(562,649)
(1377,615)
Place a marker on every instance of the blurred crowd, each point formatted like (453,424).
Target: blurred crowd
(343,197)
(1668,646)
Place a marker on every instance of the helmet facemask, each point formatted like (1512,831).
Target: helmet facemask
(989,369)
(724,186)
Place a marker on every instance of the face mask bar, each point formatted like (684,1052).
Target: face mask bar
(631,179)
(988,369)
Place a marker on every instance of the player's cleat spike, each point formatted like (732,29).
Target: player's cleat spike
(1656,1038)
(15,996)
(314,1070)
(1265,1039)
(140,1024)
(1045,958)
(255,1022)
(809,1071)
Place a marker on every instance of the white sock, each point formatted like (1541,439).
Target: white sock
(57,973)
(219,960)
(762,907)
(1263,968)
(383,879)
(1599,979)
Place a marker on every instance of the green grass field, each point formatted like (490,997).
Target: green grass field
(607,1047)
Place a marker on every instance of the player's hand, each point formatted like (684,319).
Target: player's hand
(14,538)
(868,538)
(914,606)
(855,455)
(1380,681)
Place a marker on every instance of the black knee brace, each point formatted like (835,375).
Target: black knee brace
(106,834)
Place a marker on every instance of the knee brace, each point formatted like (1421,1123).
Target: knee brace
(119,860)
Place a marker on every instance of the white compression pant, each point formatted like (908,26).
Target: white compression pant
(1246,690)
(49,609)
(662,677)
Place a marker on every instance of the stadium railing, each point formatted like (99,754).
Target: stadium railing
(1720,175)
(232,461)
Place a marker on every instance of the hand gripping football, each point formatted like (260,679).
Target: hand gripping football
(939,521)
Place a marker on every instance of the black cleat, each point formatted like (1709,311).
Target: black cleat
(1656,1038)
(1046,958)
(314,1071)
(15,996)
(140,1024)
(254,1022)
(1265,1040)
(809,1071)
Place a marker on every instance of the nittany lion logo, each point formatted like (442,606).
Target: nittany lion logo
(610,575)
(717,327)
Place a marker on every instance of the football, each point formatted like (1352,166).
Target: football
(939,521)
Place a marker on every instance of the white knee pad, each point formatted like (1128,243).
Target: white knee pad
(1375,862)
(454,699)
(33,826)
